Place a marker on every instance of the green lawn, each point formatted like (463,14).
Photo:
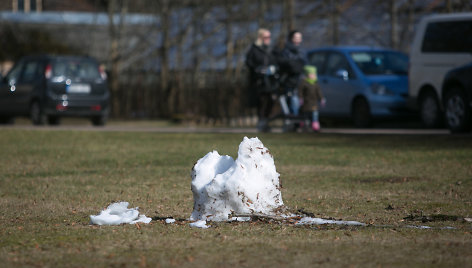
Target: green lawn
(51,181)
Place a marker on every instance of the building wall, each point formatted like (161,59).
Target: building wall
(51,5)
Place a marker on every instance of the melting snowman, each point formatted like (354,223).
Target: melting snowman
(223,186)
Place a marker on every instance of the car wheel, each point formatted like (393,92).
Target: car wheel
(361,113)
(7,120)
(430,111)
(457,111)
(36,114)
(100,120)
(54,120)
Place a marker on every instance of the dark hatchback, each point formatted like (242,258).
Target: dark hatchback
(46,88)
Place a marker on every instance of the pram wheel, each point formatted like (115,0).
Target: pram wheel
(288,126)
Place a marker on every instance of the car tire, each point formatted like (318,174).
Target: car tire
(457,111)
(430,111)
(361,113)
(7,120)
(36,114)
(54,120)
(99,121)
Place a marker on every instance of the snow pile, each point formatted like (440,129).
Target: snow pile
(118,213)
(199,224)
(318,221)
(221,185)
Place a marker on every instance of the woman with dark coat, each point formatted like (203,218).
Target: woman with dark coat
(262,70)
(291,61)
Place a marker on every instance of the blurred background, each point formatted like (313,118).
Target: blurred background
(184,59)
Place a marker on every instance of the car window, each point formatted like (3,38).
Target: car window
(446,37)
(76,68)
(14,74)
(30,72)
(337,61)
(318,60)
(381,62)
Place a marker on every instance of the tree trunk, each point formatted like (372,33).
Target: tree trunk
(115,33)
(393,25)
(335,21)
(229,40)
(290,15)
(449,8)
(164,55)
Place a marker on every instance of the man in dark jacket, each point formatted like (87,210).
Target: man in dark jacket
(262,80)
(291,61)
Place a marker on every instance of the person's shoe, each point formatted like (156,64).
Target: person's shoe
(315,126)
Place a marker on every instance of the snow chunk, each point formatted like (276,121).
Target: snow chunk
(221,185)
(199,224)
(118,213)
(318,221)
(170,220)
(418,227)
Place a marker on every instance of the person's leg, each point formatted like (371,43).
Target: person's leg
(295,103)
(269,105)
(315,116)
(283,104)
(315,124)
(264,109)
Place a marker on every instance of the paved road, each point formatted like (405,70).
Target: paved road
(183,129)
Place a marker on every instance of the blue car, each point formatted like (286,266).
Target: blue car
(362,82)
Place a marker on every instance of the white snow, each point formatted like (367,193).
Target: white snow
(199,224)
(240,219)
(318,221)
(118,213)
(170,220)
(249,184)
(418,227)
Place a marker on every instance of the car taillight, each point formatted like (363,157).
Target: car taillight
(48,71)
(61,107)
(96,108)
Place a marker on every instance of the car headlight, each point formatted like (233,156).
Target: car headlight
(381,90)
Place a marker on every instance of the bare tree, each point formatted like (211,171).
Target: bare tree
(115,32)
(289,15)
(335,21)
(393,25)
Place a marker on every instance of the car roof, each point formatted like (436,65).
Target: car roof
(351,49)
(448,17)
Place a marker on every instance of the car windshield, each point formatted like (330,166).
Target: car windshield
(76,68)
(381,62)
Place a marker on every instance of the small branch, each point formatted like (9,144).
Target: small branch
(256,216)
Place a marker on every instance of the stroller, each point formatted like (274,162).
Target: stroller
(290,121)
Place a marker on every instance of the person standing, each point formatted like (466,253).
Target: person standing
(311,96)
(262,70)
(291,61)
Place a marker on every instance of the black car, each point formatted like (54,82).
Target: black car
(47,88)
(457,96)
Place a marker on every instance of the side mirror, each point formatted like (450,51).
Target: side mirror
(343,74)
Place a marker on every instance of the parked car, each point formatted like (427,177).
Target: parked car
(47,88)
(457,98)
(441,43)
(362,82)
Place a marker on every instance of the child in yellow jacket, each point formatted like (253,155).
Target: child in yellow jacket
(311,95)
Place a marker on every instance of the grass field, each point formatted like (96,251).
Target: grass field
(51,181)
